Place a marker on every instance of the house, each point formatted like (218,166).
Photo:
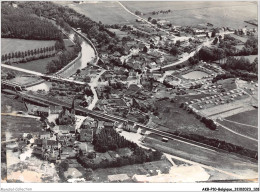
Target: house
(66,129)
(108,125)
(50,144)
(53,156)
(37,110)
(131,127)
(65,153)
(100,126)
(118,178)
(55,109)
(38,142)
(45,136)
(37,150)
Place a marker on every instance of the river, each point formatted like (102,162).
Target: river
(88,55)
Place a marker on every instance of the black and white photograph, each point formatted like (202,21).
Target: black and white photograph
(97,92)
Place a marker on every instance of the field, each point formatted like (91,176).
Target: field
(16,126)
(9,100)
(195,75)
(248,117)
(100,175)
(15,45)
(39,65)
(106,12)
(193,13)
(242,129)
(173,118)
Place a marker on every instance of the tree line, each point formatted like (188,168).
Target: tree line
(29,55)
(24,24)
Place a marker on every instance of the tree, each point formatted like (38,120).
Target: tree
(215,41)
(174,51)
(149,18)
(87,79)
(154,21)
(78,71)
(178,43)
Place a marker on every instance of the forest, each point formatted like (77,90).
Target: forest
(24,24)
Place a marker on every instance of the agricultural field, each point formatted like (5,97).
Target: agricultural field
(248,117)
(19,125)
(39,65)
(107,12)
(100,175)
(193,13)
(15,45)
(173,118)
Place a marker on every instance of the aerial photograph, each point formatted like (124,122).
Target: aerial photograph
(129,92)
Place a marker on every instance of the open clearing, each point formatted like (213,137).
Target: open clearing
(107,12)
(193,13)
(15,45)
(248,117)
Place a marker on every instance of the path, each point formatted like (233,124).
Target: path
(92,85)
(41,74)
(240,123)
(256,140)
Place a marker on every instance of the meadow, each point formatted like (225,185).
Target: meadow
(248,117)
(15,45)
(39,65)
(107,12)
(230,14)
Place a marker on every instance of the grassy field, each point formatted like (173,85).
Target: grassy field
(40,64)
(242,129)
(193,13)
(248,117)
(100,175)
(9,100)
(173,118)
(19,125)
(15,45)
(106,12)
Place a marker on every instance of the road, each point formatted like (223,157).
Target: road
(155,26)
(93,85)
(41,74)
(230,164)
(207,43)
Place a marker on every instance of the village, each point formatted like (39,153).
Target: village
(138,100)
